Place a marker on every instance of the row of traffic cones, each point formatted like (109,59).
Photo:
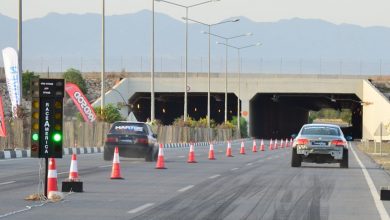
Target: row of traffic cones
(115,174)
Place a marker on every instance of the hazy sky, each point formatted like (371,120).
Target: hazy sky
(360,12)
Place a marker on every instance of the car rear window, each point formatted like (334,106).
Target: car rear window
(128,128)
(320,130)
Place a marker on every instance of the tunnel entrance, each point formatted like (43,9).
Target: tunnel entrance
(169,106)
(278,115)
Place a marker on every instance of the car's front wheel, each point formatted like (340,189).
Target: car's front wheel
(344,161)
(296,159)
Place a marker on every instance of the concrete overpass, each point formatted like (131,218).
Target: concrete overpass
(274,105)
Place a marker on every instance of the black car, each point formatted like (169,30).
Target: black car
(133,139)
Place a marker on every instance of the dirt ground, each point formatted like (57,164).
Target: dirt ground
(375,153)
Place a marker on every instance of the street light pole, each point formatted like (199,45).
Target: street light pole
(186,70)
(152,101)
(186,46)
(20,43)
(226,68)
(103,58)
(239,78)
(209,51)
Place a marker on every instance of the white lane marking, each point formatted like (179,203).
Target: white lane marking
(147,205)
(62,173)
(5,183)
(181,156)
(215,176)
(378,203)
(234,169)
(185,188)
(249,164)
(105,166)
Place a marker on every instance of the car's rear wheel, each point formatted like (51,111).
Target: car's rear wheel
(150,155)
(344,161)
(296,159)
(107,155)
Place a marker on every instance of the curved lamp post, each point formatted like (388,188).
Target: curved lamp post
(209,71)
(239,81)
(226,68)
(186,36)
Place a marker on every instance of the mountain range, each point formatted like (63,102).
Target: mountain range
(74,37)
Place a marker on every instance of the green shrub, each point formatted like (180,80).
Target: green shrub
(74,76)
(26,80)
(110,114)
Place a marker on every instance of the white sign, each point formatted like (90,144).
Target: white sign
(11,67)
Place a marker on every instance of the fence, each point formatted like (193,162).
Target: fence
(81,134)
(281,65)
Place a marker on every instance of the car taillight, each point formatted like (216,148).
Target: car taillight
(302,141)
(338,143)
(142,141)
(111,139)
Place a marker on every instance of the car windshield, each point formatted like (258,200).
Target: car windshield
(320,130)
(128,128)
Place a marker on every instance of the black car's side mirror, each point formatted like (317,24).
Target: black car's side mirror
(349,138)
(154,135)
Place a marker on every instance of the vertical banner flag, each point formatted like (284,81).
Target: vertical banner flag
(81,102)
(3,132)
(11,67)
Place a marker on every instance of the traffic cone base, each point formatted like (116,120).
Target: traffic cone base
(116,168)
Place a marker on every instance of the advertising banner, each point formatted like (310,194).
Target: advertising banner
(11,67)
(81,102)
(3,132)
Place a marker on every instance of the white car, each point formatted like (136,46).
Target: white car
(320,143)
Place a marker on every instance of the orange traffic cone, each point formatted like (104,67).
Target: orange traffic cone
(242,149)
(160,160)
(191,155)
(116,168)
(229,150)
(291,142)
(254,148)
(276,144)
(271,147)
(286,143)
(73,173)
(281,143)
(52,177)
(211,152)
(262,145)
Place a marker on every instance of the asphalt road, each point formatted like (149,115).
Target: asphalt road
(259,185)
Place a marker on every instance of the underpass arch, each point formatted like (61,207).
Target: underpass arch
(279,115)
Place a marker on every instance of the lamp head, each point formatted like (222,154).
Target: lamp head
(249,34)
(258,44)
